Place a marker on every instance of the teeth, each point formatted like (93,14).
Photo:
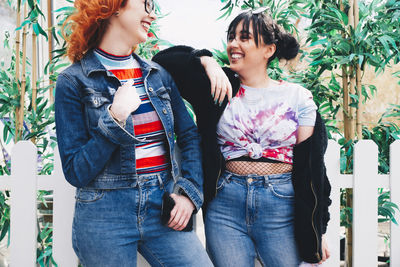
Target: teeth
(236,56)
(145,25)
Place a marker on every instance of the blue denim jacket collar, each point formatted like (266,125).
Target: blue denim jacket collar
(91,64)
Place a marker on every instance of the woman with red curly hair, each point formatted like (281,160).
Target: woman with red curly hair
(116,118)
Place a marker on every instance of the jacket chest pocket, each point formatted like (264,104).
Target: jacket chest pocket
(165,99)
(95,104)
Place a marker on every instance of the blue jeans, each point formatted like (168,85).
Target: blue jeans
(252,216)
(110,226)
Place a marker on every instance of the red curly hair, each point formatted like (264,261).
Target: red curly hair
(88,24)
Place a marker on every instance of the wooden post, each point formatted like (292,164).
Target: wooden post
(358,80)
(352,91)
(23,81)
(34,74)
(34,70)
(348,88)
(50,44)
(17,64)
(346,102)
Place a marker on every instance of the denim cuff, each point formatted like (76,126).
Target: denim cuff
(191,191)
(111,129)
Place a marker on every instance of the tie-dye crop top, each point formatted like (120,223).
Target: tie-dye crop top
(263,122)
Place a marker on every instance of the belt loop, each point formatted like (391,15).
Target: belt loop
(266,180)
(228,176)
(160,181)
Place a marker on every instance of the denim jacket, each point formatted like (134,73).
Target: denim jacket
(97,152)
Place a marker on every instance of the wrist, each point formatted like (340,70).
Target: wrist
(117,117)
(183,193)
(206,61)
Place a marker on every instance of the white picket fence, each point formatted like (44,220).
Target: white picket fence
(24,183)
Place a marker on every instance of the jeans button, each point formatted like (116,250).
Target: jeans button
(170,134)
(151,89)
(164,111)
(250,180)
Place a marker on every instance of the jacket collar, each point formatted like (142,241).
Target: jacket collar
(91,64)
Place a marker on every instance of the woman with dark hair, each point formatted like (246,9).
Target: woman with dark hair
(116,115)
(266,190)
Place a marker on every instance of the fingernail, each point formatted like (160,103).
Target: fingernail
(213,94)
(220,103)
(215,102)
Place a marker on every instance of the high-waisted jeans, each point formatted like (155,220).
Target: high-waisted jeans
(252,216)
(110,226)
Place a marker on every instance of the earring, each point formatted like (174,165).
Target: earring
(116,13)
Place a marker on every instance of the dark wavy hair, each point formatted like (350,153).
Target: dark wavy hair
(88,24)
(270,32)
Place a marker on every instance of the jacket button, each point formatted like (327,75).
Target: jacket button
(151,89)
(170,134)
(164,111)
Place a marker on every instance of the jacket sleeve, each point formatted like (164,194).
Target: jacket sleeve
(83,155)
(326,203)
(326,190)
(183,63)
(188,140)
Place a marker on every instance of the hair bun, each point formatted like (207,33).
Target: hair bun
(287,46)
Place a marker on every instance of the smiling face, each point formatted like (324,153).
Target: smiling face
(133,21)
(243,52)
(250,44)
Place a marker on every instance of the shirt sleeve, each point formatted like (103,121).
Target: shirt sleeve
(307,108)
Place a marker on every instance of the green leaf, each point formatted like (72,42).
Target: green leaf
(319,42)
(39,30)
(384,43)
(5,229)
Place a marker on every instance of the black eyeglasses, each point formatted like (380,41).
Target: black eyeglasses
(149,6)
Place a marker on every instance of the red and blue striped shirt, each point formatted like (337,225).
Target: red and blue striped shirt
(151,156)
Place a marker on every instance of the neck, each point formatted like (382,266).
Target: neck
(116,43)
(256,78)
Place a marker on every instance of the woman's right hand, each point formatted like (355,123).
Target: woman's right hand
(126,101)
(220,84)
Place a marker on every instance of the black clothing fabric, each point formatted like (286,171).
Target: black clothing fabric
(311,185)
(312,190)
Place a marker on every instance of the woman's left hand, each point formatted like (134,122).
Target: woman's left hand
(220,84)
(325,255)
(181,213)
(325,250)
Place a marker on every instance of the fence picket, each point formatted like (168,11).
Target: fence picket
(395,197)
(63,210)
(365,205)
(332,160)
(23,229)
